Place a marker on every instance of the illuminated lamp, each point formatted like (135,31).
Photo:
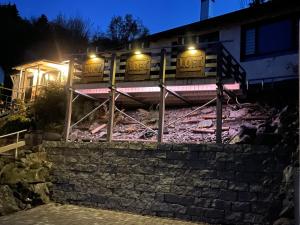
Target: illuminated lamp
(93,56)
(191,47)
(137,52)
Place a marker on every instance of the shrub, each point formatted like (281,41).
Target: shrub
(49,107)
(15,123)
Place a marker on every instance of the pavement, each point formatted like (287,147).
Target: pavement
(57,214)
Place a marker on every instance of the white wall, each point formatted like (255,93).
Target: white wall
(283,65)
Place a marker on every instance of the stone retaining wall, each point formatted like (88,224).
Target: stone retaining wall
(228,184)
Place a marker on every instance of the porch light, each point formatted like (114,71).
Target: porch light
(137,52)
(93,56)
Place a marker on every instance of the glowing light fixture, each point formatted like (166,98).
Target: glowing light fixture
(93,56)
(191,47)
(137,52)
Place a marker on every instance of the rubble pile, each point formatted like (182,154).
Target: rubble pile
(242,123)
(24,182)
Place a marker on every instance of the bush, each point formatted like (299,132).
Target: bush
(49,107)
(15,123)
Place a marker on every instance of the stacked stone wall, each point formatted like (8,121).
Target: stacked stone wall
(227,184)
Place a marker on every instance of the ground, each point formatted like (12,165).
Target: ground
(56,214)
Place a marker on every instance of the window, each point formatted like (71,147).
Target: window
(268,38)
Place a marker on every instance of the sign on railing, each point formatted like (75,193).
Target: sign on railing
(191,63)
(138,67)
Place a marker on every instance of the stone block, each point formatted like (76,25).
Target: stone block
(221,204)
(246,196)
(178,155)
(241,207)
(253,218)
(236,186)
(228,195)
(234,217)
(214,213)
(195,211)
(177,199)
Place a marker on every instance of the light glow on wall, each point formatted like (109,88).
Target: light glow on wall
(185,88)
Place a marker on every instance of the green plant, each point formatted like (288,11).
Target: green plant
(15,123)
(49,106)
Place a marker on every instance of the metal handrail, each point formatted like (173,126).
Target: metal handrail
(16,144)
(10,134)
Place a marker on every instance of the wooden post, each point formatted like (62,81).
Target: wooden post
(69,93)
(162,98)
(219,96)
(19,84)
(112,96)
(16,150)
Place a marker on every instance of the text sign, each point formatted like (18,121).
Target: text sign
(138,67)
(191,63)
(93,68)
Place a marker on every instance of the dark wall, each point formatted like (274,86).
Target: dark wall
(228,184)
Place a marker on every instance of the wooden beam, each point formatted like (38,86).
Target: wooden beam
(112,81)
(132,97)
(12,146)
(69,93)
(178,96)
(162,99)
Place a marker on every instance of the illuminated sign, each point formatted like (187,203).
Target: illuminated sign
(138,67)
(191,63)
(93,68)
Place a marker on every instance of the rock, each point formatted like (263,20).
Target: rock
(205,124)
(245,139)
(248,129)
(239,113)
(51,136)
(283,221)
(267,139)
(34,138)
(207,110)
(8,203)
(42,192)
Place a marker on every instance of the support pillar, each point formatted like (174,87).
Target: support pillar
(219,113)
(69,93)
(112,96)
(219,96)
(19,85)
(162,98)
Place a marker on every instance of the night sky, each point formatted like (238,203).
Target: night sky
(157,15)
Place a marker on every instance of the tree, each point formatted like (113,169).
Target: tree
(125,29)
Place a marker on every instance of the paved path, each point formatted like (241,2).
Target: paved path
(56,214)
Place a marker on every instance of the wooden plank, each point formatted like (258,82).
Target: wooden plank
(210,65)
(211,57)
(12,146)
(97,129)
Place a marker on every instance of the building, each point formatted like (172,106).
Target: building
(263,39)
(32,77)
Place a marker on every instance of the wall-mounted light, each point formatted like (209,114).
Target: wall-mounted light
(137,52)
(92,56)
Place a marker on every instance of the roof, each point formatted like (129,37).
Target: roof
(42,64)
(251,14)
